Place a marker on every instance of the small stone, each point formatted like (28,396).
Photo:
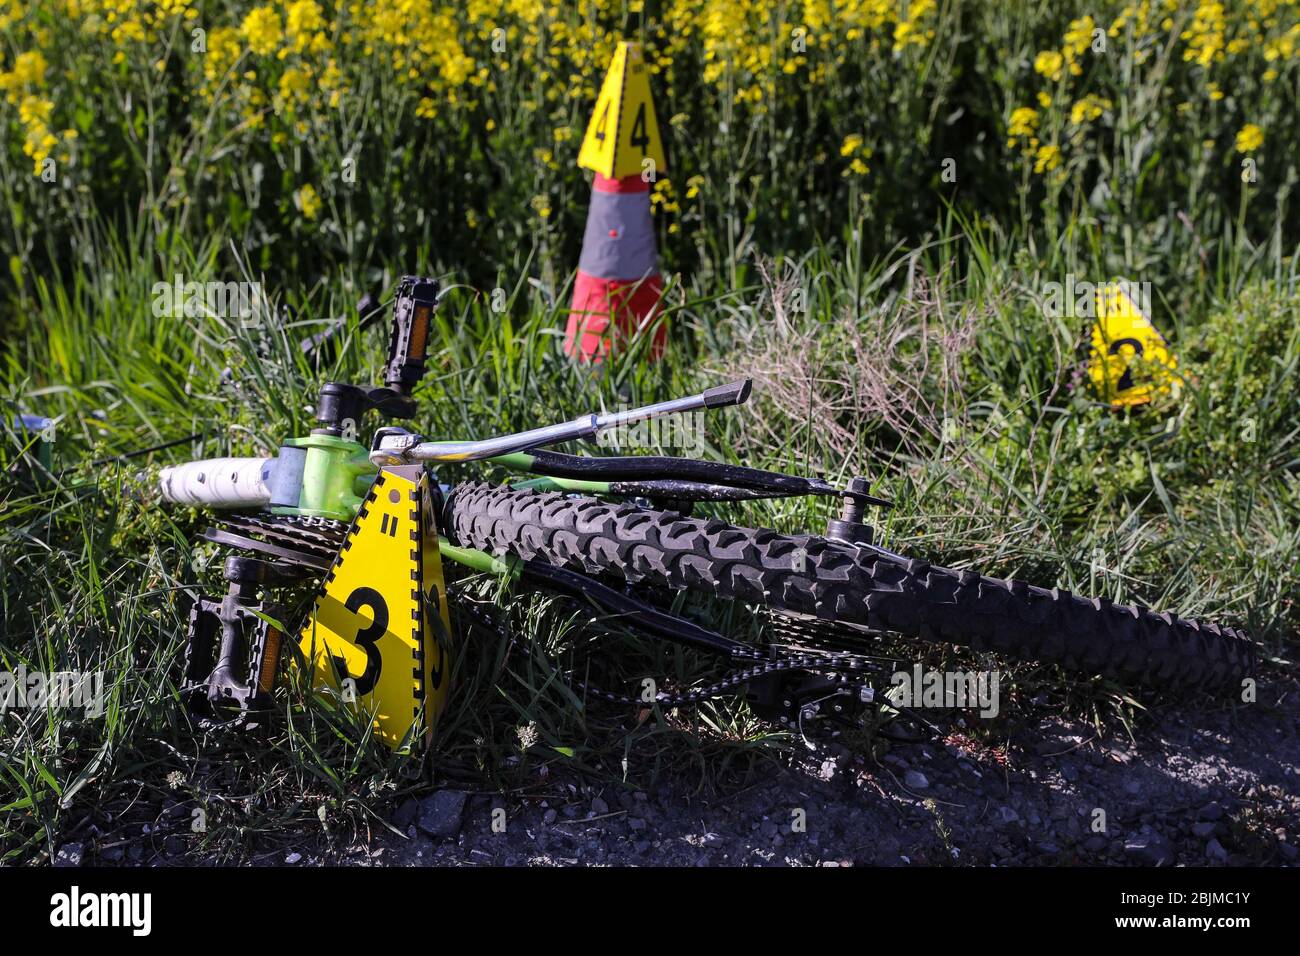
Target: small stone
(111,854)
(1204,829)
(1006,816)
(293,858)
(599,807)
(440,814)
(549,816)
(1288,851)
(1211,811)
(69,854)
(636,824)
(405,814)
(1151,851)
(915,780)
(1096,844)
(1215,851)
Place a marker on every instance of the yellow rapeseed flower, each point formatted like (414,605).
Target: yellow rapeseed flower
(30,68)
(1077,42)
(261,28)
(1088,109)
(910,31)
(308,201)
(1047,158)
(1249,138)
(303,19)
(294,87)
(1050,64)
(1205,35)
(1024,122)
(29,71)
(35,111)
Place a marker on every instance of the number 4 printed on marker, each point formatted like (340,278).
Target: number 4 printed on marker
(640,138)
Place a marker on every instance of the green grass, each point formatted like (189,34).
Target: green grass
(932,371)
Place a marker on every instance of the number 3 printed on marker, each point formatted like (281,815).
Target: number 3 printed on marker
(366,638)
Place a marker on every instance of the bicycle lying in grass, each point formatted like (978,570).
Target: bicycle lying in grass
(605,530)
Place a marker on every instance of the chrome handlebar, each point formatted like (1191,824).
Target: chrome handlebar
(402,448)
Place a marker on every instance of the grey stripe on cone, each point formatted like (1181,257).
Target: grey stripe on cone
(629,253)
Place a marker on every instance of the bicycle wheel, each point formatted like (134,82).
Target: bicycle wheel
(865,586)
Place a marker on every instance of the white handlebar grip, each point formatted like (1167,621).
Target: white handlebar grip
(218,482)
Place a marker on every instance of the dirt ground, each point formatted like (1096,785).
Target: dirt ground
(1194,788)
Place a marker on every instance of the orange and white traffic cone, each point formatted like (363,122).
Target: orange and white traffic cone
(616,294)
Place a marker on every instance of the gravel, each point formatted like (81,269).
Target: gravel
(1197,785)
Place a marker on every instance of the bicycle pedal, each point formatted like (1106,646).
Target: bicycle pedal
(232,651)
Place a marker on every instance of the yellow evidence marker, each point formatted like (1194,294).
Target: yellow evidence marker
(1121,334)
(379,633)
(623,132)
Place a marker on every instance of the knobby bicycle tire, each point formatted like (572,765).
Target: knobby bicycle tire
(835,581)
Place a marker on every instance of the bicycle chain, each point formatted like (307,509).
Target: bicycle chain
(795,662)
(763,666)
